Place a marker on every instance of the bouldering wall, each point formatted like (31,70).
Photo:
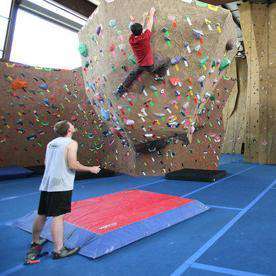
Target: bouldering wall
(259,31)
(190,100)
(234,113)
(32,101)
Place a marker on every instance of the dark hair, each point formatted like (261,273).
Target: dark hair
(61,128)
(136,28)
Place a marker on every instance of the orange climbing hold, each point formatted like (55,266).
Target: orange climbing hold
(19,84)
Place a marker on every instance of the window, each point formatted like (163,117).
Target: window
(58,9)
(5,7)
(40,42)
(3,32)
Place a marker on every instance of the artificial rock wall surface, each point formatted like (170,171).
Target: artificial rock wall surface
(259,31)
(190,100)
(32,101)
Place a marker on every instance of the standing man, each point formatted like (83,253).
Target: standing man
(141,47)
(56,191)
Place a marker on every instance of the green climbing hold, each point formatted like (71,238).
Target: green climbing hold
(203,61)
(132,59)
(47,69)
(224,64)
(83,50)
(201,4)
(94,38)
(112,23)
(226,77)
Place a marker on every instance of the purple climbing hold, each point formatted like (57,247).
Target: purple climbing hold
(176,60)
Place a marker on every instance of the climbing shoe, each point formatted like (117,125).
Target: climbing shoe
(65,252)
(120,91)
(34,254)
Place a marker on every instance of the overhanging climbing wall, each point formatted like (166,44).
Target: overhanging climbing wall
(190,100)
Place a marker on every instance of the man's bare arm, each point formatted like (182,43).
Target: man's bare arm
(149,19)
(73,162)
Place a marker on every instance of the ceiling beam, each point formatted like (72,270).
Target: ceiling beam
(83,7)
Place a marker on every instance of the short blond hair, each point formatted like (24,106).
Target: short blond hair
(61,128)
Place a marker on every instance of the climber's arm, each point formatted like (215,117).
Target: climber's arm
(149,19)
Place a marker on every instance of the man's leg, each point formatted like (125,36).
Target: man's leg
(60,251)
(132,76)
(35,249)
(57,232)
(37,227)
(161,65)
(61,205)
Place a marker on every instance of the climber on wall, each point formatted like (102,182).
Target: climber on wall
(139,41)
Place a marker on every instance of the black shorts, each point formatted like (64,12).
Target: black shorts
(53,204)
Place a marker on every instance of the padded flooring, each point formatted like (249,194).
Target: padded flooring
(235,237)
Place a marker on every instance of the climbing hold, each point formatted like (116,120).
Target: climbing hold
(174,81)
(201,80)
(131,59)
(203,61)
(197,33)
(112,23)
(18,84)
(83,50)
(99,30)
(187,46)
(43,86)
(224,64)
(176,60)
(105,114)
(129,122)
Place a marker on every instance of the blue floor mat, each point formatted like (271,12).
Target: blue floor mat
(251,243)
(238,191)
(179,188)
(197,272)
(155,255)
(14,172)
(163,253)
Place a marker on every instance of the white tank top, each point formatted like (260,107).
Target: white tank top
(57,175)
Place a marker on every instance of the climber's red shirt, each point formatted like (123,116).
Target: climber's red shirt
(141,48)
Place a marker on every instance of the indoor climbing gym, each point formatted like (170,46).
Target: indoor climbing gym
(137,137)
